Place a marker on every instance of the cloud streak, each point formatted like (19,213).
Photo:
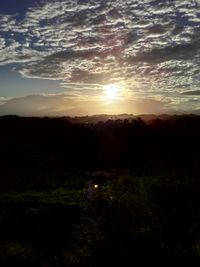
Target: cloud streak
(65,104)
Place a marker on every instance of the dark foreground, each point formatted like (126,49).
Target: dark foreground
(113,193)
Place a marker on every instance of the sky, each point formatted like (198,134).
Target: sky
(84,57)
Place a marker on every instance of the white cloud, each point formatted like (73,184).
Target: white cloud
(96,42)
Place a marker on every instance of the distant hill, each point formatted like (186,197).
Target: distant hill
(105,117)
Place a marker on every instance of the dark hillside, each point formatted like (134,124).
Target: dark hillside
(113,192)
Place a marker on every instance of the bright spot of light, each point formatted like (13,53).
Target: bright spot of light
(111,91)
(96,186)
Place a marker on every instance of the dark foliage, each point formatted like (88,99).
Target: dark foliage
(144,209)
(40,144)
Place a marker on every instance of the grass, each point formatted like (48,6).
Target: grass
(128,217)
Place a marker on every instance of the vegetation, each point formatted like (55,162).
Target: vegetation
(114,193)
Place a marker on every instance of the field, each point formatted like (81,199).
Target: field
(115,192)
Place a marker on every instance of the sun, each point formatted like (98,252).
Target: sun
(111,91)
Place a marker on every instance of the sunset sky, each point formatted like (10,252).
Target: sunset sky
(78,57)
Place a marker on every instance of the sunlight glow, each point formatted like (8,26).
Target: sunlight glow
(111,91)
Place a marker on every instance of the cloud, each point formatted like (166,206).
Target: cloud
(37,105)
(3,100)
(192,93)
(71,105)
(154,44)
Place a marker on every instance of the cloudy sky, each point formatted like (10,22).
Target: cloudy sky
(77,57)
